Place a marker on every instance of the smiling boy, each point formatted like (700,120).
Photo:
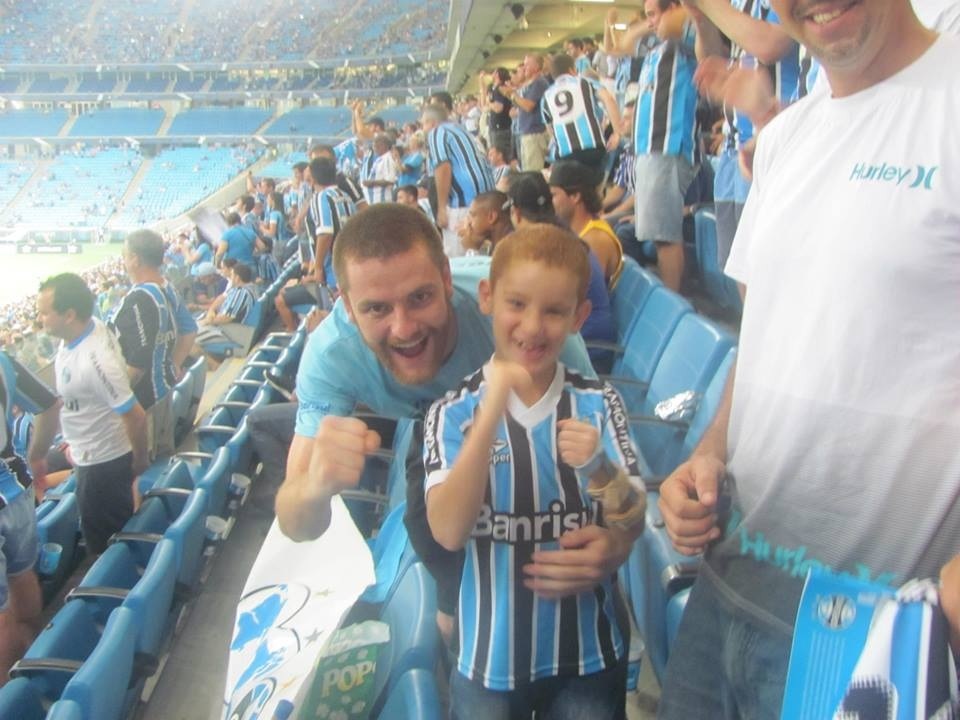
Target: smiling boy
(513,457)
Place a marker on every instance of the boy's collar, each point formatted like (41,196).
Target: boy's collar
(530,416)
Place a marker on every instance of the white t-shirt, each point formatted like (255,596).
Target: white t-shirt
(941,15)
(92,380)
(844,435)
(384,169)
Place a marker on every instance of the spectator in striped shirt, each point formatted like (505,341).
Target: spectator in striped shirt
(460,171)
(380,171)
(231,307)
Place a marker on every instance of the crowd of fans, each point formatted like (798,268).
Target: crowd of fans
(144,31)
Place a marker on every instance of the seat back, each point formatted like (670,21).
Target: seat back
(411,614)
(689,362)
(65,710)
(100,686)
(187,532)
(631,292)
(215,481)
(720,288)
(71,634)
(647,339)
(61,525)
(20,699)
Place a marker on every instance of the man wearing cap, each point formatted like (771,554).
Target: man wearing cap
(578,204)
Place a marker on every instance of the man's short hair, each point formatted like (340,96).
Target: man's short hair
(147,246)
(436,113)
(300,166)
(247,202)
(575,177)
(233,218)
(320,149)
(561,64)
(70,292)
(537,59)
(576,42)
(547,244)
(243,272)
(383,231)
(408,189)
(269,182)
(442,97)
(377,122)
(494,200)
(229,263)
(323,170)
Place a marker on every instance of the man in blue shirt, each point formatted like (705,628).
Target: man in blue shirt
(534,139)
(405,331)
(237,242)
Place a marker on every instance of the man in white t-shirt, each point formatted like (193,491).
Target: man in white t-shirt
(101,420)
(841,420)
(381,175)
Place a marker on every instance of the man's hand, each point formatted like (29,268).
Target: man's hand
(950,600)
(577,442)
(442,220)
(339,450)
(688,501)
(588,556)
(711,77)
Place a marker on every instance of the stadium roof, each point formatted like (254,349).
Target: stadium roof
(542,25)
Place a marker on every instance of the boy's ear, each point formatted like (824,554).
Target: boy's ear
(485,297)
(580,316)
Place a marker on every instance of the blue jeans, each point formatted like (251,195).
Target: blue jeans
(19,545)
(722,666)
(597,696)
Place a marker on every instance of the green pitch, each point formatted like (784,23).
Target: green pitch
(20,275)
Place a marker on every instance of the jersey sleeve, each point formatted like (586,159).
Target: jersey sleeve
(617,438)
(437,147)
(545,113)
(136,324)
(317,394)
(324,214)
(443,432)
(29,391)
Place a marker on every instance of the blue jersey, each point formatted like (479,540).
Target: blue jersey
(807,78)
(18,386)
(147,324)
(582,64)
(411,169)
(571,105)
(204,255)
(240,241)
(21,432)
(509,636)
(330,208)
(267,268)
(238,303)
(665,120)
(784,73)
(470,171)
(338,371)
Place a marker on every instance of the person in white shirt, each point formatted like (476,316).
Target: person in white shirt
(380,171)
(837,437)
(101,419)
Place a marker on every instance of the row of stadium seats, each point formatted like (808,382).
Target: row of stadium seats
(118,122)
(93,658)
(178,179)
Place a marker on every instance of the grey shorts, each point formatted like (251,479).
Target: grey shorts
(660,184)
(19,545)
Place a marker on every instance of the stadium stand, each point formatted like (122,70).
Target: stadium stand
(49,85)
(178,179)
(97,84)
(280,168)
(143,84)
(13,176)
(219,121)
(185,83)
(31,123)
(78,190)
(117,122)
(312,121)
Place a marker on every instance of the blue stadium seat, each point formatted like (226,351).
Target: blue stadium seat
(198,374)
(218,121)
(60,525)
(73,660)
(21,700)
(414,697)
(66,710)
(645,343)
(179,517)
(117,579)
(662,573)
(688,363)
(631,292)
(720,288)
(411,614)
